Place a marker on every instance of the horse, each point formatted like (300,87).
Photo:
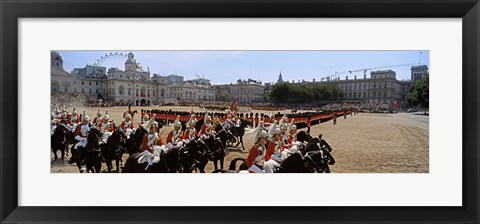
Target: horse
(93,157)
(296,163)
(193,156)
(168,163)
(90,154)
(318,150)
(112,150)
(58,140)
(216,148)
(134,141)
(238,132)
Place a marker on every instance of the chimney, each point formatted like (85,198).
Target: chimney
(346,78)
(355,77)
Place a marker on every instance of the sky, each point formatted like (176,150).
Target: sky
(224,67)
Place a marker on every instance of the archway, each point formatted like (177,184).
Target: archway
(136,102)
(55,88)
(143,102)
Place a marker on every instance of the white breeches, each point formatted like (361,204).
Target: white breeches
(150,157)
(255,169)
(52,130)
(276,158)
(72,127)
(270,165)
(82,142)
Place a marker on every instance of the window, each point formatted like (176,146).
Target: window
(82,82)
(96,83)
(83,91)
(75,90)
(96,91)
(90,83)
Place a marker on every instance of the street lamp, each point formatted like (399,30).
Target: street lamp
(133,78)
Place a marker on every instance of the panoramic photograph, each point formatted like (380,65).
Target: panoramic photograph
(245,112)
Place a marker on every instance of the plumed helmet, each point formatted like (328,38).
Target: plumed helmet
(146,117)
(106,118)
(207,117)
(154,124)
(99,113)
(192,120)
(259,132)
(86,119)
(74,113)
(277,131)
(128,116)
(177,123)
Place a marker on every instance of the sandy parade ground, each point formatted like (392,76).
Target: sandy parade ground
(362,143)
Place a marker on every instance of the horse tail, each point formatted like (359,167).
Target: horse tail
(233,163)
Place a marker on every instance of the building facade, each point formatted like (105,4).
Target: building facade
(381,88)
(244,91)
(132,85)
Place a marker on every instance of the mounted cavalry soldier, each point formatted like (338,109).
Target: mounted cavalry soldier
(81,132)
(127,125)
(207,129)
(191,134)
(73,121)
(284,135)
(145,119)
(99,119)
(273,155)
(151,141)
(256,156)
(106,126)
(175,136)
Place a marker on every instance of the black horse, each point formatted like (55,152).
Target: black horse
(217,148)
(134,141)
(193,156)
(93,157)
(90,154)
(318,150)
(296,163)
(239,131)
(112,150)
(168,163)
(58,140)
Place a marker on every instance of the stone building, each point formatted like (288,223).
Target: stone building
(132,85)
(381,88)
(244,91)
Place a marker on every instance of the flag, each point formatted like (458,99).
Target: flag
(233,105)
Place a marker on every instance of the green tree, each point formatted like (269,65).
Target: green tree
(303,93)
(418,93)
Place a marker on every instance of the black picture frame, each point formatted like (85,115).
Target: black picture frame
(11,11)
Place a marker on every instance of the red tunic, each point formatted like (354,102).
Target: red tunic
(252,156)
(170,137)
(132,125)
(145,143)
(203,130)
(186,135)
